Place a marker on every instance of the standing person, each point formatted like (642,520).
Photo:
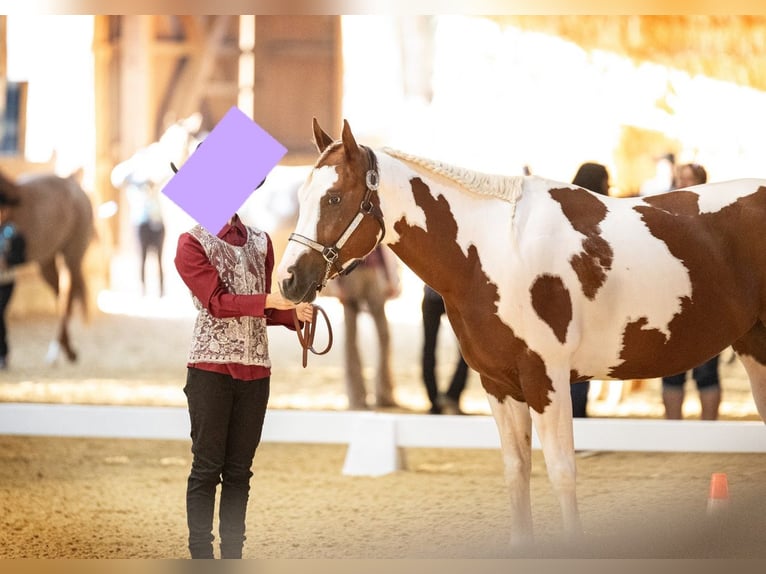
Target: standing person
(228,372)
(146,215)
(664,176)
(594,177)
(449,402)
(372,283)
(12,253)
(706,374)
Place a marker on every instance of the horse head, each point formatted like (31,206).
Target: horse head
(339,217)
(151,165)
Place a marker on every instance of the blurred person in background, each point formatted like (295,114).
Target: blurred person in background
(594,177)
(12,253)
(705,375)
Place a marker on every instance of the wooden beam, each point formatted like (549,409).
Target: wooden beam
(107,128)
(190,87)
(3,62)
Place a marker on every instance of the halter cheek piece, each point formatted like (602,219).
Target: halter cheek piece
(366,207)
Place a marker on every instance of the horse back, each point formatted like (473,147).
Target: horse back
(55,215)
(657,284)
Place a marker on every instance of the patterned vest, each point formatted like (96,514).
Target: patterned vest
(240,340)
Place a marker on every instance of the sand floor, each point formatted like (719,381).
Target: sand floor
(98,498)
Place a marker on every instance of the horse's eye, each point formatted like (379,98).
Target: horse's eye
(334,199)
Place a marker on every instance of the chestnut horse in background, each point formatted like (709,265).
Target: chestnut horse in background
(546,283)
(56,217)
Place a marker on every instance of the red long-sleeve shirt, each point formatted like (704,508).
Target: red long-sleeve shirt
(202,279)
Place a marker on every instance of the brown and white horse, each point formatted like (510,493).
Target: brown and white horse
(55,216)
(546,283)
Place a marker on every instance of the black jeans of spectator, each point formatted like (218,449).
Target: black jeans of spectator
(226,417)
(433,309)
(5,296)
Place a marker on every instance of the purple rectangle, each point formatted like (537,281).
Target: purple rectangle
(217,178)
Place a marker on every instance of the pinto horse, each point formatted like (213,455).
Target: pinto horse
(546,283)
(55,216)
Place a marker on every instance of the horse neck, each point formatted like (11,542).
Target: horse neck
(429,254)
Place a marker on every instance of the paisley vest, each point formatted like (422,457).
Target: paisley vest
(243,339)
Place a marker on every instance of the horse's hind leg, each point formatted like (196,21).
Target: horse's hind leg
(514,425)
(752,353)
(50,275)
(77,292)
(555,430)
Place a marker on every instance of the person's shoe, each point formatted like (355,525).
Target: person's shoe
(387,404)
(435,410)
(201,551)
(450,406)
(231,552)
(3,363)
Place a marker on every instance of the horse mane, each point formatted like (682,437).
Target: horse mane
(508,188)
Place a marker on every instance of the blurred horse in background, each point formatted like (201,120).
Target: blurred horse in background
(55,216)
(143,175)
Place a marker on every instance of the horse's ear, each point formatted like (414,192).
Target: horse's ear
(321,139)
(349,143)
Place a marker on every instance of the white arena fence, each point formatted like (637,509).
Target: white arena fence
(376,440)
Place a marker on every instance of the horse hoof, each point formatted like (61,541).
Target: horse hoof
(54,350)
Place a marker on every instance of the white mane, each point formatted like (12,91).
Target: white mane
(504,187)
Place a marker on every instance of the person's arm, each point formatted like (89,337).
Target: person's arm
(202,279)
(279,311)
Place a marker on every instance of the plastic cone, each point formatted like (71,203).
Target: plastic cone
(718,498)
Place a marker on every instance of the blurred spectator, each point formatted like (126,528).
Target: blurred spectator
(594,177)
(706,374)
(368,287)
(449,402)
(12,253)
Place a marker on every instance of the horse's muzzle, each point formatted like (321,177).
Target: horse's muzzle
(297,290)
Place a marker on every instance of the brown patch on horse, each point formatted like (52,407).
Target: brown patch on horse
(575,377)
(351,164)
(585,212)
(678,203)
(552,303)
(508,366)
(753,344)
(726,296)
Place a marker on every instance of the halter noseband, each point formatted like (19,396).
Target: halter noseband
(366,207)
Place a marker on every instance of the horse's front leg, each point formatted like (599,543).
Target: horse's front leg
(515,427)
(64,341)
(554,429)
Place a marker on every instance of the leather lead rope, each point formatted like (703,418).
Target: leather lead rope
(306,335)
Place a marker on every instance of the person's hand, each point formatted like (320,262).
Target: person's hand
(305,312)
(277,301)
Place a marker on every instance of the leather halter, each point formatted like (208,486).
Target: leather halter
(366,207)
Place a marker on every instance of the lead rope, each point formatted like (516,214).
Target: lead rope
(306,335)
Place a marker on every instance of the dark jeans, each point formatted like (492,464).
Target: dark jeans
(705,375)
(5,296)
(226,417)
(579,393)
(151,237)
(433,309)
